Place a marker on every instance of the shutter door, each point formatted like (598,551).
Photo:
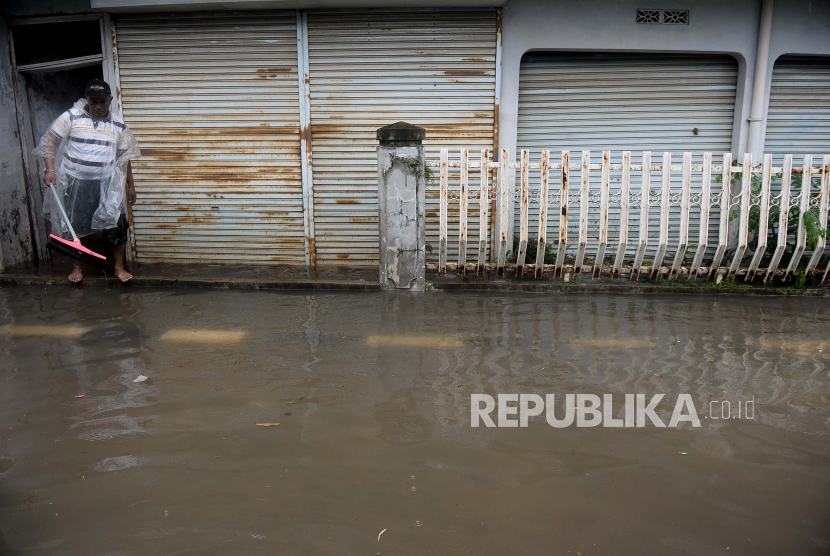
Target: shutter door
(798,121)
(617,102)
(432,68)
(214,102)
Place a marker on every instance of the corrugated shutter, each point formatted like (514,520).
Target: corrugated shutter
(370,68)
(214,102)
(616,102)
(798,121)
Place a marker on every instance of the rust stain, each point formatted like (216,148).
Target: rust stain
(166,226)
(473,60)
(462,73)
(342,256)
(266,76)
(174,154)
(191,220)
(229,132)
(347,202)
(273,70)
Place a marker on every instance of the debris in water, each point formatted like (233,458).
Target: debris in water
(140,378)
(379,534)
(288,413)
(658,375)
(267,424)
(298,400)
(683,453)
(79,396)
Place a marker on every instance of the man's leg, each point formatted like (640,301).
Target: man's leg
(117,239)
(120,251)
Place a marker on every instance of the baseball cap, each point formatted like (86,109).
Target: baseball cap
(97,88)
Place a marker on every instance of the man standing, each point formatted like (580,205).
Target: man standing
(87,153)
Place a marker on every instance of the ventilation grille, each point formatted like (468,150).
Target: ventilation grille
(648,16)
(665,17)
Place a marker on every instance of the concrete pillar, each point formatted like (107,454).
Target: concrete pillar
(401,193)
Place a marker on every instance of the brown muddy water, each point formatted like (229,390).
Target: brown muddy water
(372,396)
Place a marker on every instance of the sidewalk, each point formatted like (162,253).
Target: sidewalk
(202,275)
(291,277)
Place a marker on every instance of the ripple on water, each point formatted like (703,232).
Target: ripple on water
(118,463)
(154,530)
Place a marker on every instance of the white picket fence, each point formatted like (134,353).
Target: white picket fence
(702,207)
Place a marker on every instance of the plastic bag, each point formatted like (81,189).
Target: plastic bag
(90,164)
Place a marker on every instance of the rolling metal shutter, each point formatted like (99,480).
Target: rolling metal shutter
(370,68)
(617,102)
(798,120)
(214,102)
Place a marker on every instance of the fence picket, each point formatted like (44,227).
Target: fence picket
(603,213)
(783,217)
(743,225)
(624,207)
(541,243)
(703,235)
(822,216)
(583,212)
(483,202)
(645,200)
(683,242)
(462,216)
(725,206)
(504,211)
(523,214)
(564,183)
(442,220)
(763,219)
(665,192)
(803,207)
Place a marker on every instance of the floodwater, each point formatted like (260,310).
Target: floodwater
(372,395)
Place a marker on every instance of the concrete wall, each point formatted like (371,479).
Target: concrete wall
(15,233)
(37,8)
(716,26)
(798,27)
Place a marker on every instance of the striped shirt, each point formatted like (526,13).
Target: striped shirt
(93,145)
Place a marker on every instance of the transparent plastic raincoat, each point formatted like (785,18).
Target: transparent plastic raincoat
(91,159)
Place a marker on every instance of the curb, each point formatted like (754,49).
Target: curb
(621,289)
(166,282)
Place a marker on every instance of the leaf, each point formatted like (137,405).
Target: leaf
(379,534)
(267,424)
(298,400)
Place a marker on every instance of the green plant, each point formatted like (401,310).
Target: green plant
(810,218)
(530,254)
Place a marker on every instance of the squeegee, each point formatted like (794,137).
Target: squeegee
(73,249)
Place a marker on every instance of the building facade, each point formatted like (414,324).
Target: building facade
(257,119)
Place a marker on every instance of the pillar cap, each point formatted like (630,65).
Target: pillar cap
(401,132)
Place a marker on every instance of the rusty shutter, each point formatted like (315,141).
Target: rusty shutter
(370,68)
(637,102)
(798,121)
(214,102)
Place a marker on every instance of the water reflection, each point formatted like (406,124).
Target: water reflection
(371,390)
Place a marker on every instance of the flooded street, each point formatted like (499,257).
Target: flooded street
(372,395)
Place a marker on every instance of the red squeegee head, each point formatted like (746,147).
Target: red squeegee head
(75,250)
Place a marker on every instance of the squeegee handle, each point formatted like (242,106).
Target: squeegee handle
(63,212)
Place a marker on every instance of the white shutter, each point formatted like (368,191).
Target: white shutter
(370,68)
(798,120)
(214,102)
(617,102)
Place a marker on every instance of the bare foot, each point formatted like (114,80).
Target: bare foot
(76,275)
(122,274)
